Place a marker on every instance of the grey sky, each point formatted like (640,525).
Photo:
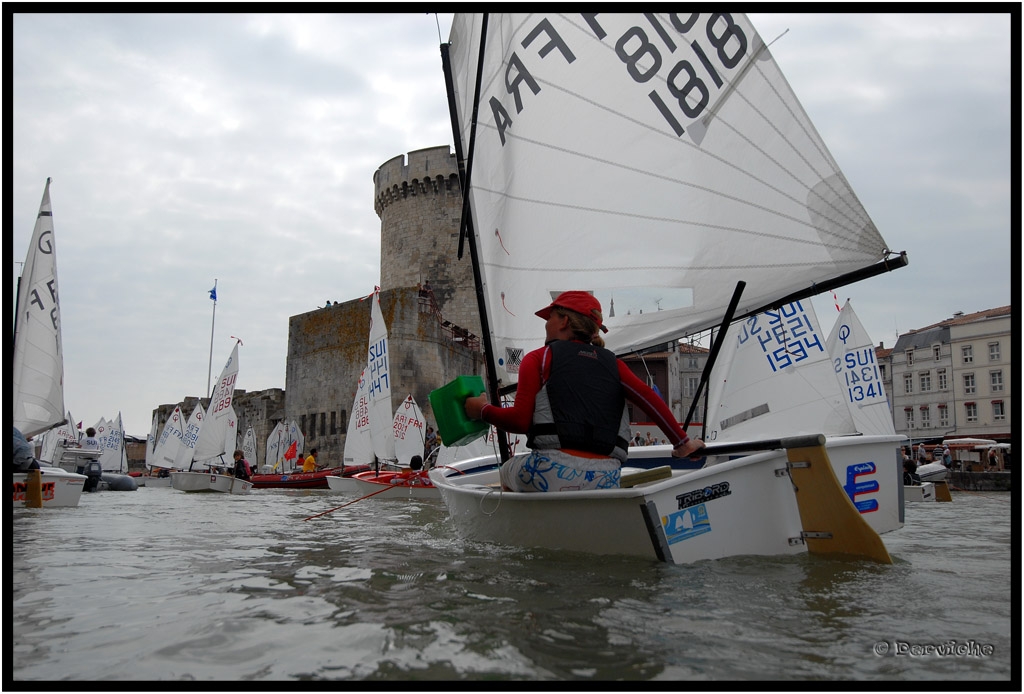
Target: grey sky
(188,148)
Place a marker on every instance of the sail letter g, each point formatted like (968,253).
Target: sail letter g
(46,242)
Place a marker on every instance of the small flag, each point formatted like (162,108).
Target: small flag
(79,425)
(213,293)
(836,300)
(291,452)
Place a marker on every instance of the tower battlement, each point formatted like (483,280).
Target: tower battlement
(418,198)
(433,170)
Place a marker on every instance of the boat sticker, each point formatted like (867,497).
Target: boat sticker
(687,523)
(48,491)
(699,496)
(853,488)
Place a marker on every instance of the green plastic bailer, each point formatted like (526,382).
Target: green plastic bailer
(449,405)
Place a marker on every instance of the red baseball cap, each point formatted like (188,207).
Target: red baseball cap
(580,302)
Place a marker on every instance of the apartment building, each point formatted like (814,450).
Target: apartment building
(953,378)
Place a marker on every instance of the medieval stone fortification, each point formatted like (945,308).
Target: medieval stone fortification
(432,334)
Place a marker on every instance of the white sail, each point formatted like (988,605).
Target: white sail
(165,455)
(219,415)
(114,457)
(189,437)
(410,431)
(774,377)
(230,436)
(100,428)
(249,447)
(154,433)
(653,159)
(38,380)
(293,434)
(65,435)
(860,379)
(378,384)
(358,445)
(274,450)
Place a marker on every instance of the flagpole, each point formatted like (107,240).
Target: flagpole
(209,369)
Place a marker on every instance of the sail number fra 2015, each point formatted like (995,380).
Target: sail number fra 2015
(687,87)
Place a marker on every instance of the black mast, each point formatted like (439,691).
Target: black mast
(466,225)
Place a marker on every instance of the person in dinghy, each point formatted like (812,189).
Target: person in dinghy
(571,404)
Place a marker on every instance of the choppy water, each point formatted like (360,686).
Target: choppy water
(161,585)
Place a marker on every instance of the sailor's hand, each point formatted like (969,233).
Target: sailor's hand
(475,405)
(685,450)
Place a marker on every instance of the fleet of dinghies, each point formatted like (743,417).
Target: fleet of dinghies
(663,163)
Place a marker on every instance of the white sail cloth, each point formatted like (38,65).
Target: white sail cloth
(220,422)
(653,159)
(38,380)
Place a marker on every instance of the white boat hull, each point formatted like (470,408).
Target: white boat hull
(745,506)
(209,482)
(61,489)
(156,482)
(919,492)
(342,484)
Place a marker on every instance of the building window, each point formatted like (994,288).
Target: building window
(881,369)
(937,352)
(334,422)
(926,381)
(910,357)
(993,351)
(941,373)
(692,363)
(908,383)
(910,417)
(996,381)
(968,354)
(943,416)
(998,413)
(969,386)
(971,409)
(926,417)
(323,424)
(690,387)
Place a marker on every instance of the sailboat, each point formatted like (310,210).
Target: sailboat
(38,379)
(114,459)
(166,452)
(358,444)
(661,161)
(217,441)
(56,441)
(860,380)
(410,431)
(286,472)
(397,479)
(249,446)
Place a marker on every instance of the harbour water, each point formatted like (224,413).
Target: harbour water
(160,585)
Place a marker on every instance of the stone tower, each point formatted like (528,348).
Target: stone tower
(419,201)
